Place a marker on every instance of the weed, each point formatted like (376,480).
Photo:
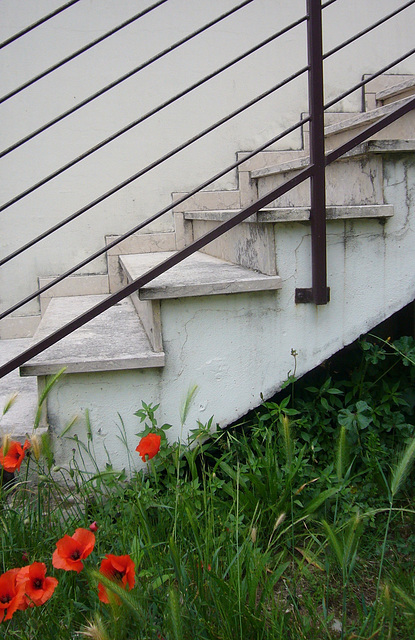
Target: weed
(296,525)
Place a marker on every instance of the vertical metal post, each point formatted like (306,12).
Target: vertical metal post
(320,294)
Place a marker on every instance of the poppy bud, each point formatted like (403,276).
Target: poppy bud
(93,527)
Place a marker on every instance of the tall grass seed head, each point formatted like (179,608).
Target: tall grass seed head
(6,443)
(94,630)
(36,446)
(280,520)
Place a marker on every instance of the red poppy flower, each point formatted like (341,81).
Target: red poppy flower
(149,446)
(120,569)
(11,594)
(71,550)
(36,586)
(14,456)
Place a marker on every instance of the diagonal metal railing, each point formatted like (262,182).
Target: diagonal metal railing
(167,156)
(201,242)
(315,172)
(38,23)
(168,102)
(80,51)
(122,79)
(161,107)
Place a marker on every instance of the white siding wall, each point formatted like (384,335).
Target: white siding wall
(61,90)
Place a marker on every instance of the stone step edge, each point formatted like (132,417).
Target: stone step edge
(92,366)
(374,86)
(366,117)
(298,214)
(394,90)
(238,279)
(72,351)
(365,148)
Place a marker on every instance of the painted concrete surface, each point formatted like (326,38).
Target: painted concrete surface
(114,340)
(140,94)
(198,275)
(110,398)
(238,348)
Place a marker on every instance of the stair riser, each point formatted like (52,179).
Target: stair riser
(74,286)
(402,129)
(350,182)
(250,245)
(373,90)
(237,348)
(137,243)
(403,94)
(149,313)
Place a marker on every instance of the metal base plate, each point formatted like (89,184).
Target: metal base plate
(303,296)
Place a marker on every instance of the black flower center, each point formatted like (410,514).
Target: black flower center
(117,575)
(37,583)
(5,599)
(75,555)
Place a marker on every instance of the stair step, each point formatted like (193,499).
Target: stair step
(298,214)
(18,421)
(113,341)
(198,275)
(375,86)
(364,119)
(365,148)
(404,89)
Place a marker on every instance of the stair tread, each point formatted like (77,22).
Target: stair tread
(366,117)
(300,214)
(113,341)
(370,146)
(396,89)
(199,274)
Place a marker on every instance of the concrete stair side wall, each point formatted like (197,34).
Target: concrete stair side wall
(238,348)
(130,153)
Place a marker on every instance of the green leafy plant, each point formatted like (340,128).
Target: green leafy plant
(277,527)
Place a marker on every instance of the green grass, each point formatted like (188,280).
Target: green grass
(256,532)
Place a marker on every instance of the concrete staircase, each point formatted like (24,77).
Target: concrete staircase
(226,319)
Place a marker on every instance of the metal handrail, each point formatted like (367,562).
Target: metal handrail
(80,51)
(318,175)
(170,101)
(154,164)
(153,218)
(315,168)
(36,24)
(201,242)
(151,113)
(121,79)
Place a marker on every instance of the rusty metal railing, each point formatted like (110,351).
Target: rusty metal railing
(315,172)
